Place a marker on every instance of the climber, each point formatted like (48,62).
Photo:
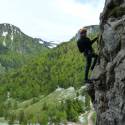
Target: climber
(85,46)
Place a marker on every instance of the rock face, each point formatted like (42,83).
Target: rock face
(109,89)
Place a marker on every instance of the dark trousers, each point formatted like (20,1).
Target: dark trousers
(89,58)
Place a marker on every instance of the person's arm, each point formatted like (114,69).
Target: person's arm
(92,41)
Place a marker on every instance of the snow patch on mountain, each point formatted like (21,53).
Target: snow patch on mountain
(41,41)
(4,34)
(50,44)
(4,43)
(12,37)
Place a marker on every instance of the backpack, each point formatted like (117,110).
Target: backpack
(80,46)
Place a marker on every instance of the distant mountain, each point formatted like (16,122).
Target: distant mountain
(16,47)
(12,38)
(92,29)
(49,44)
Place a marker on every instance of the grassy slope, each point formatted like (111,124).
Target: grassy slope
(36,107)
(53,98)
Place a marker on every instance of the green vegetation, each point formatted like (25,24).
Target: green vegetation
(63,66)
(60,106)
(30,78)
(16,48)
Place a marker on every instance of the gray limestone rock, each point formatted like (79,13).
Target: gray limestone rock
(109,90)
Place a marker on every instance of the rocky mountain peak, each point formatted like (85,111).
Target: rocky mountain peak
(6,28)
(11,34)
(13,39)
(49,44)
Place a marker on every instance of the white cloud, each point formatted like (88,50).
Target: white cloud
(73,8)
(55,20)
(88,12)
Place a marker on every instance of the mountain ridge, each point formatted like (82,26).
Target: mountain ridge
(16,47)
(10,29)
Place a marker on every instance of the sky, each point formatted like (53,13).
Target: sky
(51,20)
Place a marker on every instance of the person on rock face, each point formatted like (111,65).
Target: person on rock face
(85,46)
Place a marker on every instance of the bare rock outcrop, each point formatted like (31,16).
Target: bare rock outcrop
(108,92)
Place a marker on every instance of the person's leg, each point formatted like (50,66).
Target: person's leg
(95,60)
(88,64)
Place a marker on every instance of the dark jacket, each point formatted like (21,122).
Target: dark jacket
(85,44)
